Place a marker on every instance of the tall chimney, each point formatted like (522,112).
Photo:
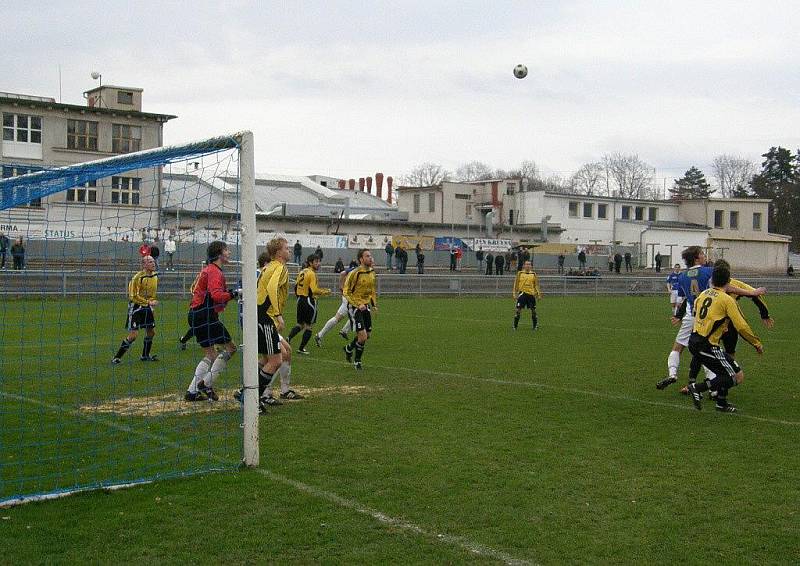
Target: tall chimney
(342,184)
(369,185)
(361,182)
(352,183)
(389,182)
(379,184)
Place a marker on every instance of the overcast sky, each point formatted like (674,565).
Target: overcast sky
(350,88)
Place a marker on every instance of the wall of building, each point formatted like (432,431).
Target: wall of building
(753,255)
(705,212)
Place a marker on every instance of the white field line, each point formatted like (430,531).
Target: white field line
(537,385)
(448,539)
(502,321)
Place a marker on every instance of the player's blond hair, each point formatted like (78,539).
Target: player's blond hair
(274,245)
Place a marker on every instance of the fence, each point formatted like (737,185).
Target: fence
(82,282)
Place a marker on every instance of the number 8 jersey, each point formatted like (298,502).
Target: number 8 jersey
(714,310)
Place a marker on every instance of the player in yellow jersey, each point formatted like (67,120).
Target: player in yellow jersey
(715,311)
(141,300)
(307,290)
(361,294)
(526,291)
(273,288)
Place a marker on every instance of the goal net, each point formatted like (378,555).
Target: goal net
(70,419)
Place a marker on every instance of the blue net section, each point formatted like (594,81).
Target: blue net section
(77,243)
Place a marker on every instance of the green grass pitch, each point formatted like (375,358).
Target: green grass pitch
(461,441)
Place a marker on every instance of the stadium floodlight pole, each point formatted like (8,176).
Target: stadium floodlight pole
(249,233)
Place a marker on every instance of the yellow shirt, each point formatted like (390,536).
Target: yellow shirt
(713,311)
(307,284)
(142,288)
(527,282)
(759,301)
(273,288)
(360,287)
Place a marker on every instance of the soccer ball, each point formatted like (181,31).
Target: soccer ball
(520,71)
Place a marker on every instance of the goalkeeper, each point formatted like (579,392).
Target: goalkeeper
(141,300)
(209,298)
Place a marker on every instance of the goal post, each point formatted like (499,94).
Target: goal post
(71,417)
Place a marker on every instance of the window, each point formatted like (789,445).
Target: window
(125,190)
(510,217)
(82,135)
(416,203)
(734,220)
(124,97)
(125,139)
(602,211)
(14,171)
(510,188)
(468,210)
(639,211)
(756,221)
(652,214)
(573,209)
(588,210)
(718,214)
(463,197)
(87,193)
(22,128)
(431,202)
(626,212)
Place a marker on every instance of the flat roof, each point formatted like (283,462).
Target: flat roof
(14,100)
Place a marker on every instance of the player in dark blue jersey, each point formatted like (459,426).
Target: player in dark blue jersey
(691,283)
(672,288)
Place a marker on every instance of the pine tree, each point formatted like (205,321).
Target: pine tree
(693,184)
(779,181)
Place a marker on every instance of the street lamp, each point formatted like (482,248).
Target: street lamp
(97,76)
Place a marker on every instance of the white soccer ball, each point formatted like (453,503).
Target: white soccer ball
(520,71)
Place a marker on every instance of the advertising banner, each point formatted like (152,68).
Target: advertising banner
(446,243)
(492,245)
(556,249)
(369,241)
(410,242)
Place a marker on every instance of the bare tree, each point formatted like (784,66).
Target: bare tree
(590,179)
(425,175)
(528,172)
(733,174)
(474,171)
(630,176)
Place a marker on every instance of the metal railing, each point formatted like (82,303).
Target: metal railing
(176,283)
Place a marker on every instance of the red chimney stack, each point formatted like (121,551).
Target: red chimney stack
(342,184)
(389,182)
(361,181)
(379,184)
(369,185)
(352,183)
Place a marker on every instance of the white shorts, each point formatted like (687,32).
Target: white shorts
(342,312)
(673,297)
(685,330)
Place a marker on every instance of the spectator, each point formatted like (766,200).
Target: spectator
(658,262)
(155,252)
(420,262)
(459,255)
(489,263)
(339,267)
(628,267)
(169,249)
(404,258)
(389,249)
(298,252)
(523,256)
(353,264)
(4,242)
(509,261)
(479,257)
(790,271)
(582,259)
(18,254)
(144,249)
(610,263)
(499,262)
(617,262)
(561,259)
(452,258)
(318,253)
(417,249)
